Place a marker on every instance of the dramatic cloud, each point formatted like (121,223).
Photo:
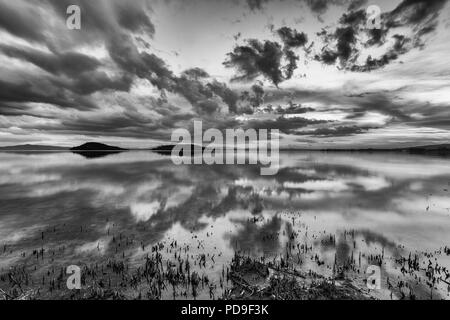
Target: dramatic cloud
(343,44)
(337,131)
(399,48)
(292,38)
(141,69)
(69,78)
(356,4)
(21,20)
(293,109)
(285,125)
(268,58)
(256,4)
(229,96)
(257,58)
(195,73)
(318,6)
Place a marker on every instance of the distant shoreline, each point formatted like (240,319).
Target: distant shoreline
(443,150)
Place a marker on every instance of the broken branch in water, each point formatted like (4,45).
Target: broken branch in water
(5,295)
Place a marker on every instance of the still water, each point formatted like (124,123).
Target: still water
(341,205)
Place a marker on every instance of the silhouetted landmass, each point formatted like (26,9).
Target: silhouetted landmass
(443,149)
(167,149)
(31,147)
(439,150)
(92,150)
(95,146)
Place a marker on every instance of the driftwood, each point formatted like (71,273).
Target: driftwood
(445,281)
(5,295)
(28,295)
(240,281)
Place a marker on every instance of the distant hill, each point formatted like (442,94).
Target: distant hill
(440,150)
(95,146)
(31,147)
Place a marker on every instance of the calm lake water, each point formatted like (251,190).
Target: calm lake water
(370,204)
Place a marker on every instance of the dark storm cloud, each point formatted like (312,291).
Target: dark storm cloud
(343,46)
(42,91)
(255,59)
(125,124)
(228,96)
(122,51)
(441,121)
(380,102)
(318,6)
(268,58)
(285,125)
(94,81)
(356,4)
(291,64)
(356,106)
(258,95)
(256,4)
(377,37)
(293,109)
(151,67)
(72,74)
(415,12)
(101,19)
(195,73)
(321,6)
(206,107)
(199,95)
(70,79)
(421,15)
(392,54)
(292,38)
(148,66)
(251,99)
(339,131)
(133,18)
(353,18)
(69,63)
(144,65)
(21,21)
(73,77)
(81,69)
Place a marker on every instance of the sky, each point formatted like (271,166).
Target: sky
(324,73)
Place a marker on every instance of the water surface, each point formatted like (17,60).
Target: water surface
(341,205)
